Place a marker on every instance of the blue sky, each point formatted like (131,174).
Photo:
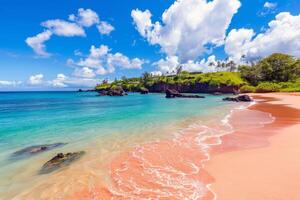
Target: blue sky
(130,52)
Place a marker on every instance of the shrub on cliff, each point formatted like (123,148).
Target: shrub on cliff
(247,89)
(268,87)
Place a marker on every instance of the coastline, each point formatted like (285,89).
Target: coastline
(260,162)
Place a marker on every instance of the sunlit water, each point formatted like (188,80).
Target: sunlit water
(104,127)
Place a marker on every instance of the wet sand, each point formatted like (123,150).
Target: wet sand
(260,163)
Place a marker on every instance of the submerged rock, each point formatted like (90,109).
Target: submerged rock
(217,93)
(36,149)
(171,93)
(59,161)
(240,98)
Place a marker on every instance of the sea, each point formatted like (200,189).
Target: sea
(137,146)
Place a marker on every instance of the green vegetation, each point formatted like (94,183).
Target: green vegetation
(276,73)
(183,79)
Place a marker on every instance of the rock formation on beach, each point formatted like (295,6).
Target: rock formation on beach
(171,93)
(240,98)
(36,149)
(59,161)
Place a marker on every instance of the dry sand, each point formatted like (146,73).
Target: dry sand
(268,167)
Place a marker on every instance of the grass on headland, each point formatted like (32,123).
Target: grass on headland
(275,73)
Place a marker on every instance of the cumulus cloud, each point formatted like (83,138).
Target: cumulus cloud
(62,81)
(282,35)
(101,61)
(84,72)
(64,28)
(169,65)
(105,28)
(9,83)
(85,17)
(188,26)
(36,79)
(270,5)
(59,81)
(74,27)
(37,43)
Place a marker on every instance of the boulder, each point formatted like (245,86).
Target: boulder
(59,161)
(36,149)
(114,91)
(171,93)
(144,91)
(240,98)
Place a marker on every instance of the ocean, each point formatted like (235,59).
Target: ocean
(106,128)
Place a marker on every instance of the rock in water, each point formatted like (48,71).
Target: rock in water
(59,161)
(114,91)
(217,93)
(36,149)
(240,98)
(171,93)
(144,91)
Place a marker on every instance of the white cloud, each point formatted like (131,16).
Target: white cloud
(170,65)
(156,73)
(59,81)
(64,28)
(282,35)
(101,62)
(10,83)
(73,27)
(85,17)
(167,65)
(84,72)
(36,79)
(37,43)
(187,26)
(62,80)
(105,28)
(119,60)
(270,5)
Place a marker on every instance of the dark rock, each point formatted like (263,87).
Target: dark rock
(236,92)
(144,91)
(36,149)
(240,98)
(115,91)
(59,161)
(171,93)
(217,93)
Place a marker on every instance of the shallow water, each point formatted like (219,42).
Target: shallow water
(111,130)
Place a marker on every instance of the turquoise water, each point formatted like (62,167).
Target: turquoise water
(32,118)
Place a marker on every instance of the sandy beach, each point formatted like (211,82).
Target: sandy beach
(260,163)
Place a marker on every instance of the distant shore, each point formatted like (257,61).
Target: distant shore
(260,163)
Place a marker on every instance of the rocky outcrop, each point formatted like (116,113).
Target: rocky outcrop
(171,93)
(240,98)
(116,91)
(144,91)
(161,87)
(36,149)
(59,161)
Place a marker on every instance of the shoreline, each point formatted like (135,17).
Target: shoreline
(247,163)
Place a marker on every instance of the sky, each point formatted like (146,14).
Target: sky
(71,44)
